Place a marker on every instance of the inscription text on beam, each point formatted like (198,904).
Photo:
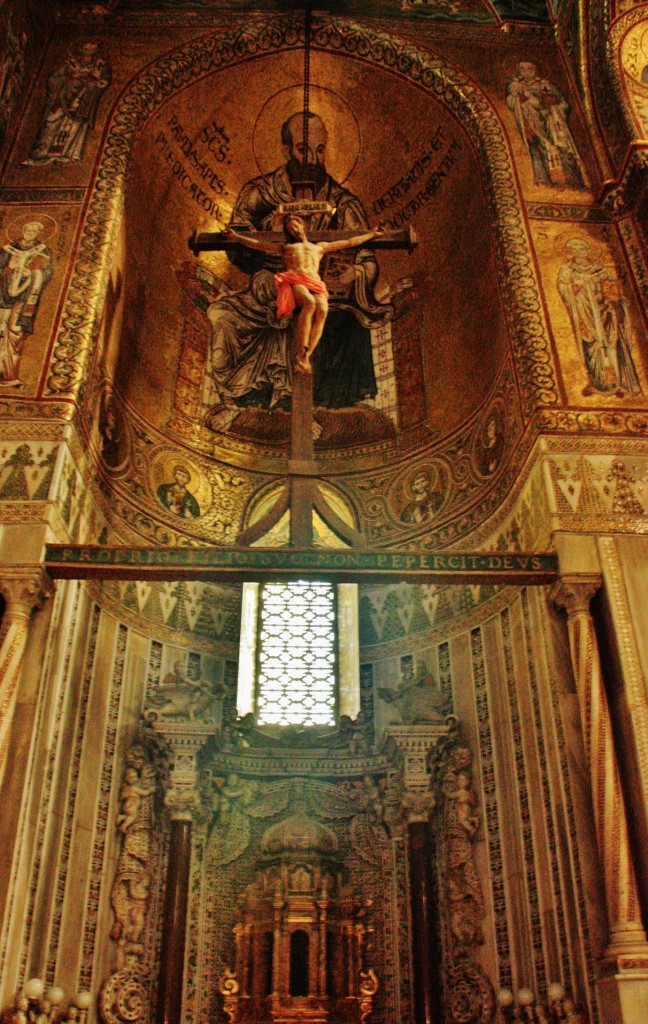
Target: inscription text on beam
(70,561)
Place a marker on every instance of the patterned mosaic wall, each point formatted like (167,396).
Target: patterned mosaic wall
(494,668)
(165,478)
(505,685)
(559,351)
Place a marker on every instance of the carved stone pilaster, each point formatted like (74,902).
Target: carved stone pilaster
(469,994)
(574,593)
(125,995)
(184,740)
(24,589)
(410,746)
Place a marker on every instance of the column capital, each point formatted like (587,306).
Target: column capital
(25,587)
(410,747)
(574,592)
(183,740)
(183,803)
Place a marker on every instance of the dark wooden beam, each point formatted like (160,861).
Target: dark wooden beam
(217,241)
(230,564)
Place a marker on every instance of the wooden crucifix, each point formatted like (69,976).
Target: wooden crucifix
(300,289)
(300,286)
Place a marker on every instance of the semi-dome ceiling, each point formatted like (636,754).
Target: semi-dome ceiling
(397,153)
(482,11)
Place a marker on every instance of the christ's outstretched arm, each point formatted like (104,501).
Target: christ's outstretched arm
(351,243)
(272,248)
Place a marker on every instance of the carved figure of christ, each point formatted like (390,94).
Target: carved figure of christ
(299,285)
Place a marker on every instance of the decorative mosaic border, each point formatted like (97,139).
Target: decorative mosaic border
(623,447)
(571,819)
(51,194)
(636,253)
(35,429)
(102,814)
(553,211)
(447,630)
(157,631)
(491,811)
(604,78)
(73,787)
(614,32)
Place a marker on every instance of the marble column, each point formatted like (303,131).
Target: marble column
(184,741)
(24,589)
(412,744)
(623,984)
(172,955)
(425,938)
(626,929)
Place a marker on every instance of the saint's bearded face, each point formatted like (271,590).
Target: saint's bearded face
(315,167)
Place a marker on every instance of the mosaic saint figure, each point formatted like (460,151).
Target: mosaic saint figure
(25,269)
(73,93)
(425,502)
(249,360)
(12,75)
(176,497)
(492,447)
(600,319)
(541,114)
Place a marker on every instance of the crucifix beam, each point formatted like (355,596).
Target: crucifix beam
(217,241)
(302,253)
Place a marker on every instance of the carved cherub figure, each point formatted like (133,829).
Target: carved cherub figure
(130,794)
(232,789)
(178,696)
(464,800)
(19,1015)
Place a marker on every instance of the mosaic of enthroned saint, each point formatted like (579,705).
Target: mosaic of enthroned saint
(250,362)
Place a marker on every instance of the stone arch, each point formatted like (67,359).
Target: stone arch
(631,92)
(208,54)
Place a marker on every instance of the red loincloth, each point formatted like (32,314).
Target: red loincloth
(285,299)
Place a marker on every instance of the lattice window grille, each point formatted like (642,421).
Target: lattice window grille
(296,654)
